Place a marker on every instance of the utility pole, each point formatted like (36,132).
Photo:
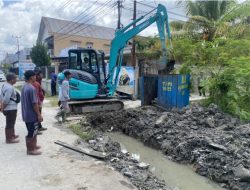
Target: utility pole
(133,44)
(133,58)
(17,39)
(119,5)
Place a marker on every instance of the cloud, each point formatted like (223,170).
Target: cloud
(22,18)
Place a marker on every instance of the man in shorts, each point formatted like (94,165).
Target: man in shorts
(30,112)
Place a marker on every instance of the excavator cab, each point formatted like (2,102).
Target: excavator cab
(88,60)
(88,71)
(88,83)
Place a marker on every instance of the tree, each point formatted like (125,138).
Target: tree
(204,15)
(177,25)
(39,55)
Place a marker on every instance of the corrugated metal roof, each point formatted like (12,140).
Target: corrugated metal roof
(78,29)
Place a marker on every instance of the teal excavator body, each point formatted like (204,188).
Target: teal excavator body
(90,80)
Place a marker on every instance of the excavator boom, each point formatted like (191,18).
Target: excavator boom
(86,87)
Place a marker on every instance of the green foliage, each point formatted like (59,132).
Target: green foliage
(53,100)
(77,129)
(231,88)
(224,57)
(39,55)
(212,10)
(227,62)
(217,18)
(148,47)
(177,25)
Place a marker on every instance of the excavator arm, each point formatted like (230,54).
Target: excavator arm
(123,35)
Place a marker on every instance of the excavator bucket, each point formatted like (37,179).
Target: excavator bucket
(169,68)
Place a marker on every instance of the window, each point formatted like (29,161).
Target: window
(75,42)
(73,61)
(94,63)
(89,45)
(27,57)
(85,60)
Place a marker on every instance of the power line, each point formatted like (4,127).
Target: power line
(176,14)
(51,6)
(76,18)
(146,5)
(168,10)
(82,24)
(65,5)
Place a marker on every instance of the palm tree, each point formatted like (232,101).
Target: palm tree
(204,15)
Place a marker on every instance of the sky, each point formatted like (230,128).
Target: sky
(22,18)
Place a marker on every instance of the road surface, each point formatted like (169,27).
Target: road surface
(56,168)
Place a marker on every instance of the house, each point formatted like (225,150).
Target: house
(19,61)
(60,34)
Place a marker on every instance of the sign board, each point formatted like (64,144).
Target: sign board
(126,80)
(24,67)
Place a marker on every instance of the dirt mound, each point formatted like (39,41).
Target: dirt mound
(215,143)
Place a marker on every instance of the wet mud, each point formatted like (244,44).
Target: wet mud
(215,144)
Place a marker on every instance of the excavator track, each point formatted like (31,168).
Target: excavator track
(95,105)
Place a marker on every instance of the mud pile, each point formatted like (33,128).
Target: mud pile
(216,144)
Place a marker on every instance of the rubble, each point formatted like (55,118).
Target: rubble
(213,142)
(127,164)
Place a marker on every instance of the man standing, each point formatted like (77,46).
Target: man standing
(53,83)
(64,97)
(30,113)
(40,96)
(60,78)
(9,102)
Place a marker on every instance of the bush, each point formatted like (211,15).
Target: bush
(231,88)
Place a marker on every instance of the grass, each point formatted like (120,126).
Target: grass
(77,129)
(53,100)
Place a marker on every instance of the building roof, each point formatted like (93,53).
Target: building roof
(54,25)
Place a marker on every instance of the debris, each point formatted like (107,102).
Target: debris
(83,151)
(217,146)
(114,159)
(92,141)
(212,141)
(128,174)
(143,165)
(242,173)
(125,151)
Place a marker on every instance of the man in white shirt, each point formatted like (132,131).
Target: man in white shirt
(64,97)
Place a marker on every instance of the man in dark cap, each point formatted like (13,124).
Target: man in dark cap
(30,112)
(9,101)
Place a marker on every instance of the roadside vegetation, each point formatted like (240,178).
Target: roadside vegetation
(53,100)
(82,132)
(213,44)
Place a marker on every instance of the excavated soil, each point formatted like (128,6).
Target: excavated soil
(216,144)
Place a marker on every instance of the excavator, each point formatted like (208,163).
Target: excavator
(93,86)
